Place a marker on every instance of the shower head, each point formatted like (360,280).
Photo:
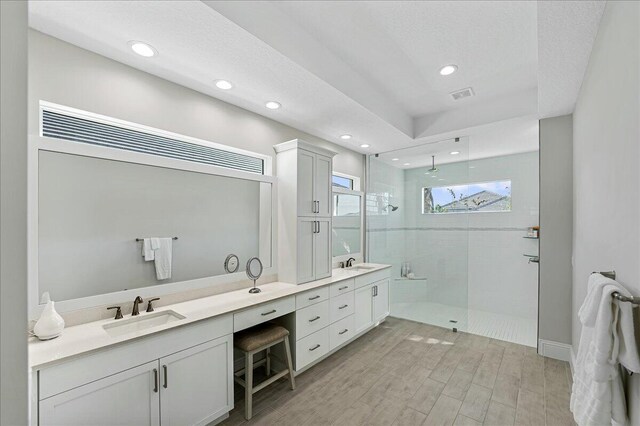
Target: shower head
(393,208)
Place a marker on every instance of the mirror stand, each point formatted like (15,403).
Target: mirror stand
(254,270)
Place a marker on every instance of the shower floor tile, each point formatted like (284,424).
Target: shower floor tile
(509,328)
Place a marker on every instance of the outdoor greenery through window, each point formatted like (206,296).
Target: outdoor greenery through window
(473,197)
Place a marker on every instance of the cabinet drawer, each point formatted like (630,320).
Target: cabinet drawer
(372,277)
(311,319)
(341,306)
(263,313)
(341,331)
(342,287)
(312,297)
(312,347)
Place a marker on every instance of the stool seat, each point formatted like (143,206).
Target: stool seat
(257,337)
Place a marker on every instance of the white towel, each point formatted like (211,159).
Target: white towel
(163,255)
(607,339)
(148,251)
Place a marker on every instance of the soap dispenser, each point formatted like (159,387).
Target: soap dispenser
(50,324)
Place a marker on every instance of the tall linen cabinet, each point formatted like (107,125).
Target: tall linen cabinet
(304,211)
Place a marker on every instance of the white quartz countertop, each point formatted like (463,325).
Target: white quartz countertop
(84,338)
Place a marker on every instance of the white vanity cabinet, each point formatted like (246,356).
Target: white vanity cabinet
(371,304)
(304,211)
(182,376)
(125,398)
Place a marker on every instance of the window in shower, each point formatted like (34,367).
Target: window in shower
(494,196)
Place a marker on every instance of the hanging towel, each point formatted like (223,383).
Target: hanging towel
(148,251)
(163,254)
(607,339)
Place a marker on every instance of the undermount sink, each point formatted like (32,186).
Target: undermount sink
(141,323)
(360,268)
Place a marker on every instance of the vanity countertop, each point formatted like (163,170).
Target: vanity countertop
(84,338)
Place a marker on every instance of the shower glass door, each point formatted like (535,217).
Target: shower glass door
(416,220)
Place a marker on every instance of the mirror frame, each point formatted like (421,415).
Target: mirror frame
(360,255)
(39,143)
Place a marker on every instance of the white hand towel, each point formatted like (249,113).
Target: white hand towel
(607,339)
(148,252)
(163,255)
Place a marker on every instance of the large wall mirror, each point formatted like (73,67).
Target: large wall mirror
(91,210)
(347,218)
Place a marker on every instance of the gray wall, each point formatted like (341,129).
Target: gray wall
(606,149)
(556,227)
(65,74)
(13,217)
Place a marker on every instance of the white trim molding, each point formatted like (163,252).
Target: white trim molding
(555,350)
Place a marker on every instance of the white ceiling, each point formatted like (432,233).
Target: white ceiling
(365,68)
(514,136)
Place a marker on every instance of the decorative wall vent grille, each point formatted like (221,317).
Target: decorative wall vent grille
(62,126)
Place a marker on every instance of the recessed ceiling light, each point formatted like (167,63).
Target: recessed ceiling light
(394,159)
(143,49)
(440,179)
(448,69)
(364,145)
(224,84)
(345,137)
(406,164)
(454,152)
(272,105)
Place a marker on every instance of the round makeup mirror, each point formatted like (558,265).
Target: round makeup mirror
(254,270)
(231,263)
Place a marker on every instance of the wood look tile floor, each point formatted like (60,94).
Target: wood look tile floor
(408,373)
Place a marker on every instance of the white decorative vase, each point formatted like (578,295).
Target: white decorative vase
(50,324)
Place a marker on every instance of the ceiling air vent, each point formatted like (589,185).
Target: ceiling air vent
(462,93)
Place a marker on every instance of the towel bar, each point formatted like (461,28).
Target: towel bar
(140,239)
(615,294)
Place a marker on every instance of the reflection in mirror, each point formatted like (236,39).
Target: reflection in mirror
(347,223)
(91,211)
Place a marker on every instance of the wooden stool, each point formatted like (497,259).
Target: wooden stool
(254,340)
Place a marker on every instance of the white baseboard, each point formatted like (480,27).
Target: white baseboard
(556,350)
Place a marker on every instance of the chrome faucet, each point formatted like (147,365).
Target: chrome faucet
(350,262)
(136,310)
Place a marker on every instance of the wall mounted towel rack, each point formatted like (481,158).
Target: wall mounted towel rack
(615,294)
(141,239)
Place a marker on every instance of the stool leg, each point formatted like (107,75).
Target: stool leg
(268,362)
(290,366)
(248,389)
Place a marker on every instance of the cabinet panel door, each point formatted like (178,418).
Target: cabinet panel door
(364,308)
(381,300)
(125,398)
(323,186)
(306,248)
(323,247)
(306,188)
(196,384)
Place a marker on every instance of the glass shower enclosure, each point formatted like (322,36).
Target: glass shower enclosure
(413,201)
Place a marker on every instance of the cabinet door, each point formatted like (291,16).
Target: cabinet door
(306,248)
(196,385)
(322,245)
(127,398)
(364,308)
(381,300)
(306,184)
(323,195)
